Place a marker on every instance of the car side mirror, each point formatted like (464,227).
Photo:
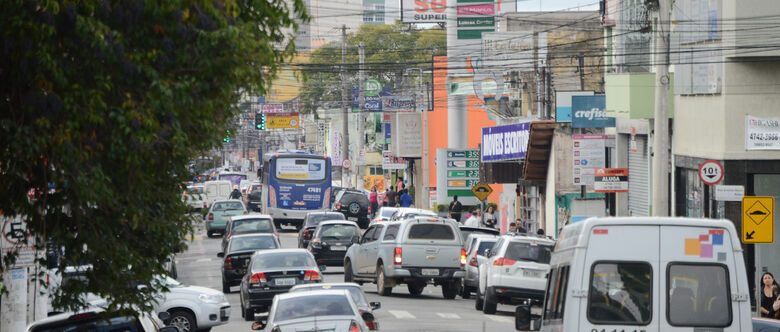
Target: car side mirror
(165,317)
(525,321)
(375,305)
(260,322)
(220,254)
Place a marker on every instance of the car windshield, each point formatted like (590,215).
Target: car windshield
(355,292)
(340,232)
(311,306)
(316,219)
(530,252)
(252,226)
(195,190)
(227,206)
(246,243)
(281,260)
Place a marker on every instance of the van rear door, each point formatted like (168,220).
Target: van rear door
(621,279)
(700,284)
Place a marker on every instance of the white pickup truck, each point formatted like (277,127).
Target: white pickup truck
(417,251)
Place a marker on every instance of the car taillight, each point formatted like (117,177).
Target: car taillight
(257,278)
(504,261)
(463,257)
(311,275)
(372,325)
(397,258)
(317,243)
(338,206)
(228,264)
(246,212)
(474,262)
(369,209)
(204,204)
(306,235)
(354,327)
(211,216)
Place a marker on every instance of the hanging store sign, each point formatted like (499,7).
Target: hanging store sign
(507,142)
(588,112)
(610,180)
(588,154)
(762,133)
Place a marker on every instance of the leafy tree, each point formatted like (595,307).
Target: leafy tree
(102,106)
(389,50)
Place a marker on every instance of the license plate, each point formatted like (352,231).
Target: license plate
(338,248)
(430,272)
(352,218)
(284,281)
(532,274)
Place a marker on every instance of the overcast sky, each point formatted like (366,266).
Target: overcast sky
(545,5)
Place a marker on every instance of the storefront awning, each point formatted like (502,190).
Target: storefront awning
(538,154)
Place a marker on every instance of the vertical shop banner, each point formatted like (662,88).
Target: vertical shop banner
(588,155)
(407,138)
(508,142)
(335,148)
(762,133)
(588,112)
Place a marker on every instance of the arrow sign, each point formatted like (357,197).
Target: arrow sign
(749,236)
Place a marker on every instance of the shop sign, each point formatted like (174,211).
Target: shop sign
(399,103)
(588,154)
(611,180)
(407,136)
(588,112)
(390,161)
(423,11)
(508,142)
(729,193)
(271,108)
(762,133)
(473,22)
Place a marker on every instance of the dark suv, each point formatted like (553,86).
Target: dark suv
(311,221)
(354,205)
(254,198)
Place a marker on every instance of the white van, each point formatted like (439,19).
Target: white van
(216,190)
(644,274)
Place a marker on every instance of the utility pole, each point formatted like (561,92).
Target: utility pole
(361,117)
(345,174)
(661,123)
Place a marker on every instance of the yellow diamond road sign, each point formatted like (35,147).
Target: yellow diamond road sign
(758,219)
(482,191)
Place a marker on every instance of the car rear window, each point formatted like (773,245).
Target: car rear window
(316,219)
(252,226)
(355,292)
(485,245)
(530,252)
(698,295)
(354,197)
(312,306)
(226,206)
(340,232)
(621,293)
(271,260)
(252,243)
(431,232)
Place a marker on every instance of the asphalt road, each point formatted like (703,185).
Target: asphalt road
(200,266)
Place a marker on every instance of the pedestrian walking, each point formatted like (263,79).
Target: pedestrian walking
(373,200)
(489,217)
(474,219)
(391,195)
(455,208)
(384,198)
(399,185)
(405,199)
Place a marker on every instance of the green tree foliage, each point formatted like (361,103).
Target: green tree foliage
(389,50)
(103,104)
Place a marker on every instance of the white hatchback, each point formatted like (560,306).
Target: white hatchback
(192,308)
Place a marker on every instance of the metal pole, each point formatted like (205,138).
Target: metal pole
(424,163)
(361,117)
(661,123)
(345,174)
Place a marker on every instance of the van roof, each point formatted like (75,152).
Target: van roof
(578,234)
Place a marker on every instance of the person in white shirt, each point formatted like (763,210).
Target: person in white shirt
(475,219)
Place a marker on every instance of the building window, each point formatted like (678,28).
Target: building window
(368,18)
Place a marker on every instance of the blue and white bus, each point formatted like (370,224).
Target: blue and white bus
(294,184)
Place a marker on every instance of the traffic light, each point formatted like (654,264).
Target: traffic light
(260,121)
(227,137)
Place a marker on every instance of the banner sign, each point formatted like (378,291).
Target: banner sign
(505,142)
(611,180)
(482,10)
(407,135)
(762,133)
(563,104)
(588,112)
(389,161)
(423,11)
(271,108)
(457,172)
(589,154)
(398,103)
(372,102)
(282,121)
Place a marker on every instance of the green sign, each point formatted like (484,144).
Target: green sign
(472,34)
(463,174)
(372,87)
(460,193)
(471,22)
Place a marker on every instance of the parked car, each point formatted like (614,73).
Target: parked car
(96,319)
(192,308)
(357,296)
(220,212)
(238,251)
(272,272)
(331,240)
(254,199)
(384,214)
(248,224)
(310,222)
(465,231)
(354,205)
(406,213)
(193,195)
(514,272)
(478,244)
(415,251)
(652,274)
(323,310)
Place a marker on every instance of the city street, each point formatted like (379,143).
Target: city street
(199,265)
